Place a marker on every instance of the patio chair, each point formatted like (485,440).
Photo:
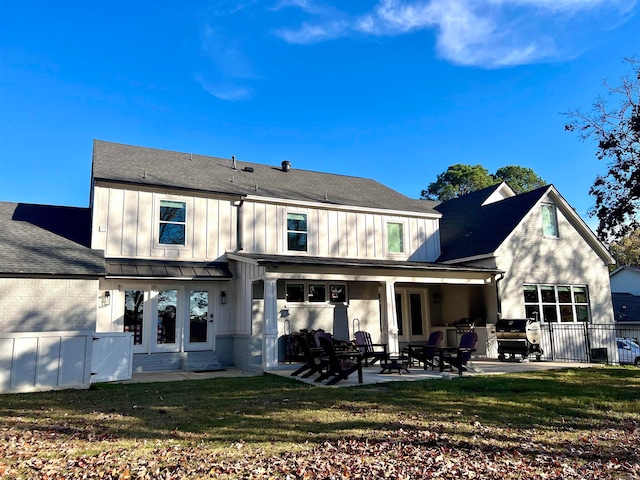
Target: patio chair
(460,356)
(425,352)
(370,349)
(339,345)
(340,367)
(315,359)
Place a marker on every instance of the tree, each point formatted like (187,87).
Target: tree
(521,179)
(626,251)
(617,133)
(460,179)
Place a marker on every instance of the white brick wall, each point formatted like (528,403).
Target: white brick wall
(45,305)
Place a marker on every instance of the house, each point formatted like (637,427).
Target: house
(625,293)
(555,268)
(48,288)
(210,262)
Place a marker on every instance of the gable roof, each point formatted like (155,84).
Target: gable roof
(472,227)
(114,162)
(47,240)
(622,268)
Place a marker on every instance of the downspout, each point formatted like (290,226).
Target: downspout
(498,299)
(239,223)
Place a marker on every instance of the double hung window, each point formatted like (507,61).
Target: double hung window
(297,232)
(172,222)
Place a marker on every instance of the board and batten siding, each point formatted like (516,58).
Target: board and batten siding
(126,222)
(337,233)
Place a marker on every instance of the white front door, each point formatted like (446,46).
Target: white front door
(199,328)
(413,314)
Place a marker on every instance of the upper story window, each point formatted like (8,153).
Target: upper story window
(557,303)
(172,222)
(395,237)
(297,232)
(549,220)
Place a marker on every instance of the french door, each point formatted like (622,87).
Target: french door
(171,319)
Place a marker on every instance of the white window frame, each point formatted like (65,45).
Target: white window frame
(298,232)
(553,212)
(188,223)
(403,238)
(559,306)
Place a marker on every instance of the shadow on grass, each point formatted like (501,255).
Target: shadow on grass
(276,409)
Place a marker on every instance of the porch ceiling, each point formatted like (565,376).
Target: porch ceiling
(130,268)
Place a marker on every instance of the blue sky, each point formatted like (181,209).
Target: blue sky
(391,90)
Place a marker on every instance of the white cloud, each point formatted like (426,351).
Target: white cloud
(225,91)
(485,33)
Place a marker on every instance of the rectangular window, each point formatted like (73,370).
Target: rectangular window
(317,292)
(338,293)
(297,232)
(314,292)
(395,238)
(295,292)
(556,303)
(549,220)
(172,222)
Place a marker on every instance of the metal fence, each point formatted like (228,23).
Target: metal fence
(584,342)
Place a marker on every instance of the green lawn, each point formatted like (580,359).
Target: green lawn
(578,423)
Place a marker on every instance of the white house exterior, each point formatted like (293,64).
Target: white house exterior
(203,262)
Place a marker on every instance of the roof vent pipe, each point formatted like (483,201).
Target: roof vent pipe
(233,162)
(286,165)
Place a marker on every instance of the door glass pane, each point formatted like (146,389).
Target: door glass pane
(134,313)
(415,300)
(399,312)
(198,310)
(167,308)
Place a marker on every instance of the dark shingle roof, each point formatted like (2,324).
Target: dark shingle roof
(468,229)
(47,240)
(148,166)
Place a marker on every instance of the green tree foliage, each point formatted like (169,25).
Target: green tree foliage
(626,251)
(616,130)
(460,179)
(521,179)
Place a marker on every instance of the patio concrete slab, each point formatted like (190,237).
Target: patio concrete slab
(372,375)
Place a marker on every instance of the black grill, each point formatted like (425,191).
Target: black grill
(518,336)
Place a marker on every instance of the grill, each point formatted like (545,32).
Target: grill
(518,337)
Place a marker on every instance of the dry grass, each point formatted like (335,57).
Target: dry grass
(241,427)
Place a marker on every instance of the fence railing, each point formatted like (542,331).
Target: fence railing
(584,342)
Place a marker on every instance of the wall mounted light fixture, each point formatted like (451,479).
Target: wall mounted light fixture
(223,297)
(106,298)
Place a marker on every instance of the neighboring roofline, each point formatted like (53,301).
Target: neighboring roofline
(45,275)
(633,268)
(267,259)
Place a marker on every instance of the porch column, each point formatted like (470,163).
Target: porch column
(392,320)
(270,328)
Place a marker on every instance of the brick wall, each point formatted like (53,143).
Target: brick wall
(45,305)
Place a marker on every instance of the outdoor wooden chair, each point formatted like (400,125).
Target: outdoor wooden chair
(315,359)
(425,352)
(460,356)
(370,349)
(340,366)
